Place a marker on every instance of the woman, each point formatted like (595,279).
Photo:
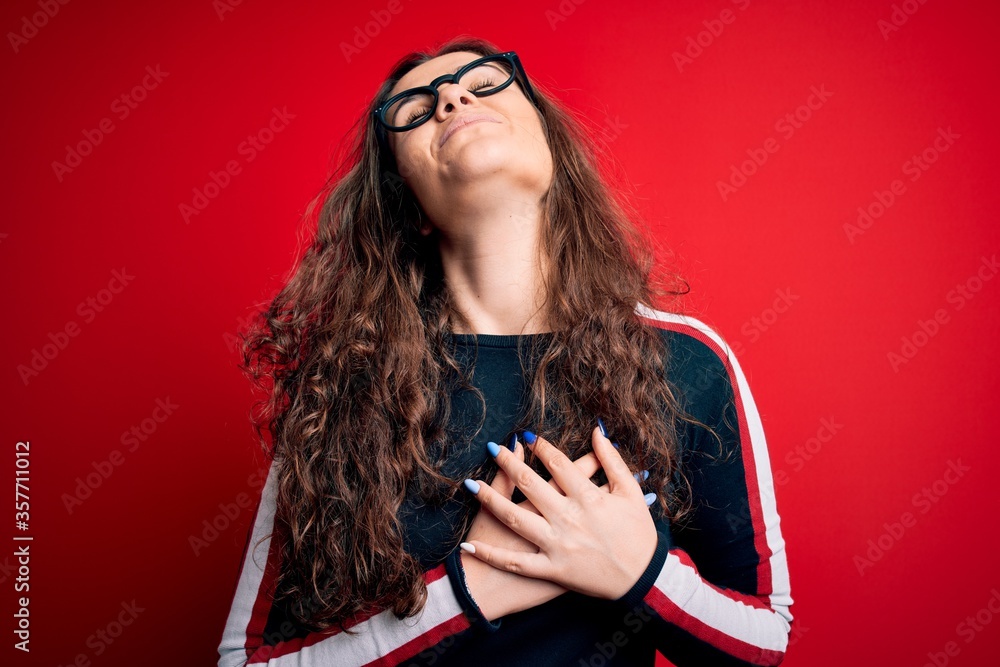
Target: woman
(472,279)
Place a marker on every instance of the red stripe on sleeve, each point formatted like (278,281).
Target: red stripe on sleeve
(751,600)
(424,641)
(764,584)
(666,608)
(265,595)
(417,644)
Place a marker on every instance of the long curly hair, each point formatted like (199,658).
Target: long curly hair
(352,357)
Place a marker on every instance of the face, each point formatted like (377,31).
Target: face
(447,158)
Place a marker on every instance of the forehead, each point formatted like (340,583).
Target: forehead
(424,73)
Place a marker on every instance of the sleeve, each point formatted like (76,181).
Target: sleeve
(258,633)
(717,590)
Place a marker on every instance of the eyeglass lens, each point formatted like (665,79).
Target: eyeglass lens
(480,79)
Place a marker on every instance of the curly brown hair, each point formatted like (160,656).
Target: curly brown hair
(352,358)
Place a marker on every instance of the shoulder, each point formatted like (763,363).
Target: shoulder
(700,364)
(687,332)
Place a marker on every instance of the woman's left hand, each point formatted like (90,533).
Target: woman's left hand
(593,541)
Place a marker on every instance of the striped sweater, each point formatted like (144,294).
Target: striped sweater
(716,591)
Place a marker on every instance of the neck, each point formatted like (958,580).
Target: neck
(492,267)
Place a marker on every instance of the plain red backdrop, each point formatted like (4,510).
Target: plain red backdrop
(814,302)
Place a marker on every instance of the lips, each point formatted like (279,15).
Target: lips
(462,121)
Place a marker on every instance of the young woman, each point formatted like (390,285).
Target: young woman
(473,280)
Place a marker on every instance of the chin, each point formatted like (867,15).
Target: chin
(487,155)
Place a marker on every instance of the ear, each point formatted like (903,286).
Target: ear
(426,228)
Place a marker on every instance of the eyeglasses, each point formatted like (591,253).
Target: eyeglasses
(482,77)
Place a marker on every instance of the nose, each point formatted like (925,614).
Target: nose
(452,96)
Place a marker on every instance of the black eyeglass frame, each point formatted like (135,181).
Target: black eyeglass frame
(432,89)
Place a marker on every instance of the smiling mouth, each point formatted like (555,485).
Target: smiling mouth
(464,123)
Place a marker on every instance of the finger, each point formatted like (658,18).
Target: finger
(568,476)
(587,464)
(502,483)
(618,474)
(527,524)
(649,498)
(512,446)
(519,562)
(534,488)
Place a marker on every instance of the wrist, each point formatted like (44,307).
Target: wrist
(470,589)
(478,576)
(644,583)
(498,593)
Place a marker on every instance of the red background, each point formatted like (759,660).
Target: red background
(679,131)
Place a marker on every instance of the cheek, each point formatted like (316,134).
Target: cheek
(415,170)
(530,123)
(533,135)
(537,126)
(411,156)
(406,164)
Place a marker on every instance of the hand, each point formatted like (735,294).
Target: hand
(497,592)
(594,542)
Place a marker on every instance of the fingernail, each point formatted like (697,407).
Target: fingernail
(615,445)
(493,448)
(650,499)
(641,476)
(512,445)
(468,548)
(472,485)
(529,437)
(604,431)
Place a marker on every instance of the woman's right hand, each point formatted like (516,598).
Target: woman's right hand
(498,592)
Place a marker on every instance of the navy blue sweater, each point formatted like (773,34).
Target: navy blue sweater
(716,591)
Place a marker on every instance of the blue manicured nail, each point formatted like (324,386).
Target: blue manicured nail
(493,448)
(615,445)
(529,437)
(641,476)
(472,485)
(604,431)
(650,499)
(513,442)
